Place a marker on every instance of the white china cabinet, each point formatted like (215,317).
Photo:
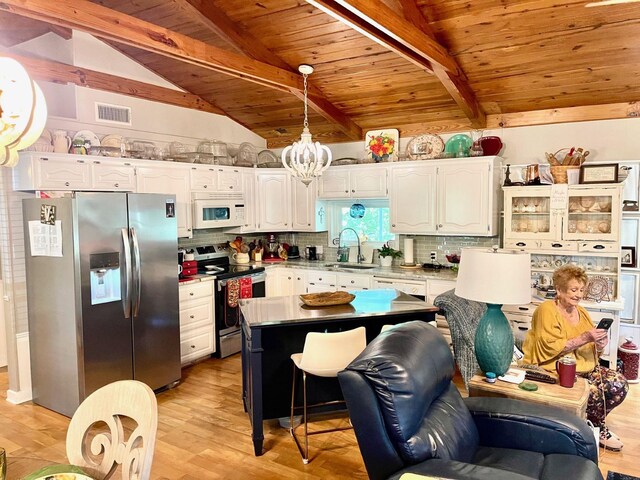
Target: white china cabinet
(577,224)
(445,197)
(360,181)
(630,237)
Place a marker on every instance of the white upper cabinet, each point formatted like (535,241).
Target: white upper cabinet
(59,171)
(361,181)
(273,201)
(307,213)
(445,197)
(173,180)
(412,200)
(113,176)
(467,198)
(229,179)
(204,179)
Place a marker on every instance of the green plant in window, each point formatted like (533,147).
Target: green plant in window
(387,251)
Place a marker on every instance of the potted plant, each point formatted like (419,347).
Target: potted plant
(387,254)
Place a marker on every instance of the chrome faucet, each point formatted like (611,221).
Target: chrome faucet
(360,257)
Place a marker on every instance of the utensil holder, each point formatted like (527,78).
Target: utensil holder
(559,172)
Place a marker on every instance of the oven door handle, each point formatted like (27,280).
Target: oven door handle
(256,278)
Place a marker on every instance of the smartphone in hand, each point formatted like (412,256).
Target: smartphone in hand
(604,324)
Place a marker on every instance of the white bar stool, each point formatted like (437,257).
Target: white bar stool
(323,355)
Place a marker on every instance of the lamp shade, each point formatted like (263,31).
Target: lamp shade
(494,276)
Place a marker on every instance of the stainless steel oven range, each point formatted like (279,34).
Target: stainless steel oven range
(232,282)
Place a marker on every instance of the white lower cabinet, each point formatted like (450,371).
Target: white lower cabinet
(321,281)
(196,321)
(171,180)
(293,281)
(350,281)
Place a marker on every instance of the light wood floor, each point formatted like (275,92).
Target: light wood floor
(203,433)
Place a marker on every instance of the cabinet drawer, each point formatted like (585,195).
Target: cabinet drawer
(324,278)
(526,309)
(418,288)
(597,247)
(195,290)
(522,244)
(353,281)
(198,314)
(198,344)
(560,246)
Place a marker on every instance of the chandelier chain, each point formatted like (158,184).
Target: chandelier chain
(306,121)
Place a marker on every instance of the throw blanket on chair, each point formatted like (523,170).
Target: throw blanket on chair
(463,317)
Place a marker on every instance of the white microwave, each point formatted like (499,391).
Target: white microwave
(216,210)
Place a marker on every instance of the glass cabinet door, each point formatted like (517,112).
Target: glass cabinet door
(528,214)
(592,215)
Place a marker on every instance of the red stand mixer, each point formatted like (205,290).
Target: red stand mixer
(271,249)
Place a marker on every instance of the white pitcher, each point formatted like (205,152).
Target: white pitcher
(61,141)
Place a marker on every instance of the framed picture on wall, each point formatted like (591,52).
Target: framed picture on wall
(628,257)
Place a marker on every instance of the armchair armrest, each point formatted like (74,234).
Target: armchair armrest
(508,423)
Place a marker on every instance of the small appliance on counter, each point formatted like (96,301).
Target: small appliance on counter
(311,253)
(271,250)
(294,252)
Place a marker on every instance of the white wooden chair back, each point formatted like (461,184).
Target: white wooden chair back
(96,438)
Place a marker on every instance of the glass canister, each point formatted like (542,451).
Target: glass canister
(630,355)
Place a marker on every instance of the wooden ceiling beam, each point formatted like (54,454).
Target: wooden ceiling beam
(383,25)
(207,14)
(62,32)
(549,116)
(50,71)
(105,23)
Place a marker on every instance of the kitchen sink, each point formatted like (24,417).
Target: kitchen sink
(351,266)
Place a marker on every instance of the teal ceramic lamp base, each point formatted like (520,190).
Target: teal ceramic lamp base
(494,341)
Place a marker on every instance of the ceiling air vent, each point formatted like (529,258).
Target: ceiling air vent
(106,113)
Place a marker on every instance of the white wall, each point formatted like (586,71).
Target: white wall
(612,140)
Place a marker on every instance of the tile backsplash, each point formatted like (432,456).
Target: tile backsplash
(423,244)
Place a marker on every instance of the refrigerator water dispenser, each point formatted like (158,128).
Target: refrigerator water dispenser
(105,277)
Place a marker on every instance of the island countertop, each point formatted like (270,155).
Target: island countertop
(264,312)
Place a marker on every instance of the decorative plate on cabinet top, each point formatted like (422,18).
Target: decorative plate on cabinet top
(424,147)
(247,154)
(459,143)
(87,136)
(112,140)
(267,156)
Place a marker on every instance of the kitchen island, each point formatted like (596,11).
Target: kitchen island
(274,328)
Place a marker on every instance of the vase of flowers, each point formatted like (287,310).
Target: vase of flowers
(381,147)
(387,254)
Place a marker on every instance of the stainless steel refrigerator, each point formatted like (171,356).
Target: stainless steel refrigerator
(102,286)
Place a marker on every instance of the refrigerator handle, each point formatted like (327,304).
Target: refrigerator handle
(126,298)
(137,274)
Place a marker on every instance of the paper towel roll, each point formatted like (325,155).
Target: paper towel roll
(408,251)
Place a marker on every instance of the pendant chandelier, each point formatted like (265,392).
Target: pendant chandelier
(305,159)
(23,111)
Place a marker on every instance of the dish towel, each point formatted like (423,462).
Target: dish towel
(233,289)
(246,290)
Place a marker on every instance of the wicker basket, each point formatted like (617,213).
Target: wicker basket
(559,172)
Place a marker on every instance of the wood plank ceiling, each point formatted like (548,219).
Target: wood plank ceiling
(416,65)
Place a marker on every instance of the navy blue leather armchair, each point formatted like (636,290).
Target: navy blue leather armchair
(408,416)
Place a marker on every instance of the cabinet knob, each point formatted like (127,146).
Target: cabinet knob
(116,185)
(288,278)
(206,186)
(191,293)
(393,224)
(308,224)
(353,191)
(193,346)
(192,316)
(352,281)
(66,184)
(346,191)
(231,187)
(439,225)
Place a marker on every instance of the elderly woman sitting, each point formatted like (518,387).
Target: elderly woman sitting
(562,327)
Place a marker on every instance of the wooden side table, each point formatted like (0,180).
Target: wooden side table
(573,400)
